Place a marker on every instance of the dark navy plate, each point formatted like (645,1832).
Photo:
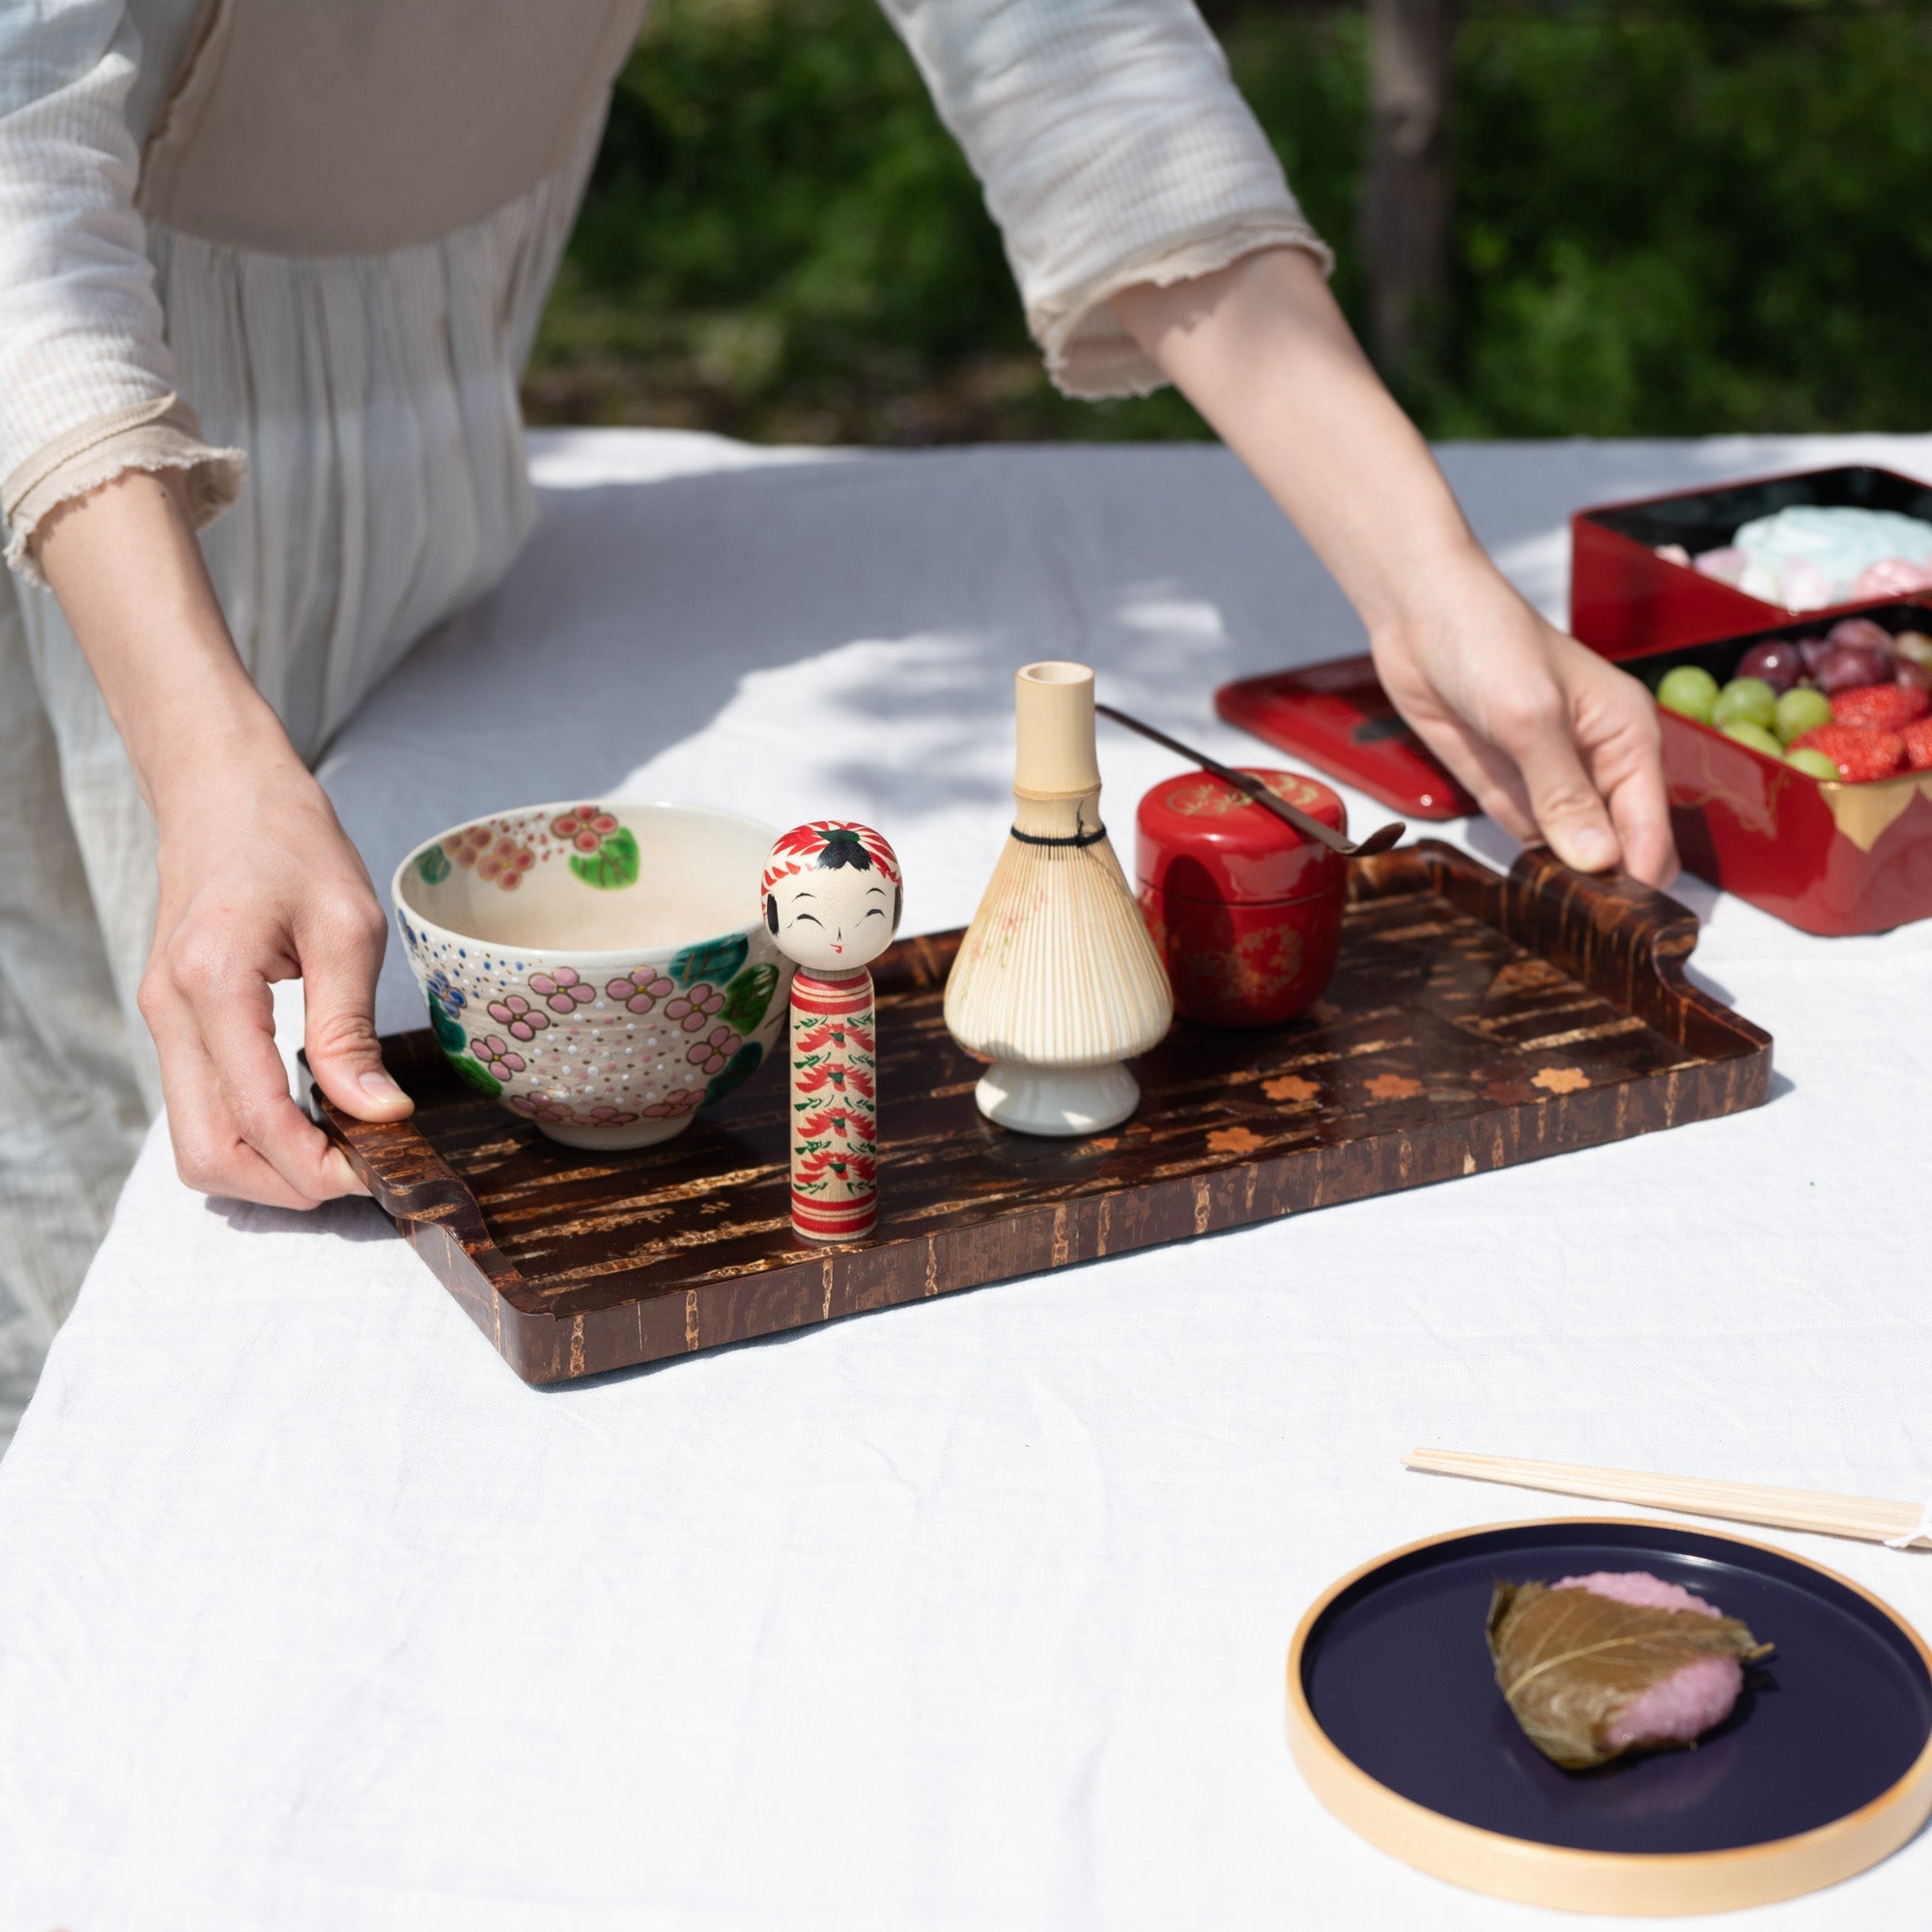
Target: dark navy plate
(1398,1674)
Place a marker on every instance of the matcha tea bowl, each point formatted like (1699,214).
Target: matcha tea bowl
(600,970)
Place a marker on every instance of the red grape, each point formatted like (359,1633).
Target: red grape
(1860,631)
(1846,665)
(1778,663)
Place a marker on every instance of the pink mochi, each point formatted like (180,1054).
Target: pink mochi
(1687,1702)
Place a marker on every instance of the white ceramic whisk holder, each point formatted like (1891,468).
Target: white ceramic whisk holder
(1057,982)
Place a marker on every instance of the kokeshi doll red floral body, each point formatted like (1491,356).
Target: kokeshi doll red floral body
(833,899)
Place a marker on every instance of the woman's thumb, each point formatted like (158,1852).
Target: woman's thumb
(339,1030)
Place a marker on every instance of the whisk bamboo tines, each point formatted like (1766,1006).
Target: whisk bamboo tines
(1056,982)
(1869,1518)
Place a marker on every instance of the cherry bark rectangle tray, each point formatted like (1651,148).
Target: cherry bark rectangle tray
(1473,1021)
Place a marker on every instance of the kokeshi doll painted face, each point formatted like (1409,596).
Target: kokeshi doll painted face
(833,895)
(833,899)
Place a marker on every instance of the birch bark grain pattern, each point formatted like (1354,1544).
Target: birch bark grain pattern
(1408,204)
(1473,1022)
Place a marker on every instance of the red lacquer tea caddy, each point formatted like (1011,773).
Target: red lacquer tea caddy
(1245,912)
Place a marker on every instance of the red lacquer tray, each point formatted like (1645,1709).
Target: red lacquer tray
(1473,1022)
(1337,717)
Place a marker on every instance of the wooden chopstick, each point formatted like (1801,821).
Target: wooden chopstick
(1869,1519)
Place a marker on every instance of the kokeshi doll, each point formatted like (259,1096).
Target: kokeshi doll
(833,899)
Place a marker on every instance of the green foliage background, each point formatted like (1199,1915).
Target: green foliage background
(1674,218)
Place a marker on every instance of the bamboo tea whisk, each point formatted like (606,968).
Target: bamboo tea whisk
(1057,982)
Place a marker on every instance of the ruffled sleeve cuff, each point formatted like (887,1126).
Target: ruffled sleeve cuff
(158,433)
(1091,356)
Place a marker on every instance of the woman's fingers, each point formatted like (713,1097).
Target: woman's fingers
(1537,732)
(206,997)
(1640,810)
(341,955)
(1618,728)
(1488,777)
(213,1152)
(238,1033)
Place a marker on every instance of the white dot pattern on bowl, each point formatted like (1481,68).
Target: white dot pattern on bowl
(558,1050)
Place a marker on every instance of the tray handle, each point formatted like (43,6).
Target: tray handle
(1621,937)
(432,1208)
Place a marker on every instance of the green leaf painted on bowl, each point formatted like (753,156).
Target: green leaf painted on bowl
(614,863)
(448,1035)
(433,866)
(741,1065)
(470,1074)
(714,962)
(747,996)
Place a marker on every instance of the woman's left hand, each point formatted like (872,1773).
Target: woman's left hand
(1552,740)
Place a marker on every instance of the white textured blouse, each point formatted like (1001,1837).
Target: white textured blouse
(1112,145)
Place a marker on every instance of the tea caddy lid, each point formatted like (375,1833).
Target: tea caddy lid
(1197,836)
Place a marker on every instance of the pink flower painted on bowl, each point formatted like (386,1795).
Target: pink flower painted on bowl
(468,845)
(679,1100)
(640,990)
(495,1054)
(692,1010)
(604,1117)
(506,862)
(711,1054)
(562,991)
(516,1016)
(539,1107)
(586,828)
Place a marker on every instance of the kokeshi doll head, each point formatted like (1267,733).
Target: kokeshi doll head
(833,895)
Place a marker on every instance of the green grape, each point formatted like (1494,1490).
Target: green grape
(1798,710)
(1755,736)
(1809,759)
(1688,692)
(1746,701)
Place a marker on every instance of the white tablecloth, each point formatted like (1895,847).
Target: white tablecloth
(971,1615)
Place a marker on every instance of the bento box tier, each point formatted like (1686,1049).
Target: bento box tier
(1625,599)
(1827,857)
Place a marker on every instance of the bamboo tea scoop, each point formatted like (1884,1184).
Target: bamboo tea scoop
(1869,1519)
(1309,827)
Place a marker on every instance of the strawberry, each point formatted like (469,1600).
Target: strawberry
(1880,707)
(1857,752)
(1918,742)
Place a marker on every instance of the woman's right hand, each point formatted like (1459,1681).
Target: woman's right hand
(259,884)
(258,881)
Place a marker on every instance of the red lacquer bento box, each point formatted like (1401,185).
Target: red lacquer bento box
(1624,598)
(1828,857)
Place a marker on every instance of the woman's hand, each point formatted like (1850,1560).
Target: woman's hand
(1552,740)
(260,884)
(258,881)
(1549,738)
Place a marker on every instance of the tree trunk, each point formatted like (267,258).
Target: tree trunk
(1406,210)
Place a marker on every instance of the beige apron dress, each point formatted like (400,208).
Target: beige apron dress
(354,214)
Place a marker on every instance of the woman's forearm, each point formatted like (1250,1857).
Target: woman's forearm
(1552,740)
(129,573)
(1263,352)
(258,883)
